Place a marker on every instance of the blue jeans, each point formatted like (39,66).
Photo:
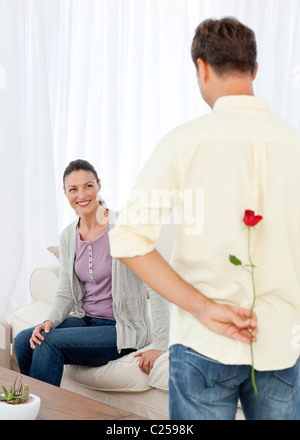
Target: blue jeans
(203,389)
(77,341)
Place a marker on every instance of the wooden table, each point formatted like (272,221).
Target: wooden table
(60,404)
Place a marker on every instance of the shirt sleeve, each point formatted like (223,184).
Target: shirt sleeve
(152,199)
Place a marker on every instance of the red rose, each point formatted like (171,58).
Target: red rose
(250,219)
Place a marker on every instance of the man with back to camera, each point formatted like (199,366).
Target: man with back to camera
(242,157)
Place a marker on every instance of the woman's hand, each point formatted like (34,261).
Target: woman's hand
(37,337)
(147,359)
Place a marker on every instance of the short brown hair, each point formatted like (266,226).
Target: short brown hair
(226,44)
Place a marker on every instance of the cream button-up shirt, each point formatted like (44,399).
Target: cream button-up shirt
(210,170)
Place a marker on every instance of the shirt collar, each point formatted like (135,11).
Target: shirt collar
(242,101)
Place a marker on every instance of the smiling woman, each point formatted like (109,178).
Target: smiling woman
(111,317)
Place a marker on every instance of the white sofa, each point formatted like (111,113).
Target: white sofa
(120,383)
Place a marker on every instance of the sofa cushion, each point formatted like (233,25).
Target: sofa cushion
(122,374)
(54,250)
(159,375)
(43,283)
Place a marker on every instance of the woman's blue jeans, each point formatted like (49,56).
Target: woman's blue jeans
(77,341)
(203,389)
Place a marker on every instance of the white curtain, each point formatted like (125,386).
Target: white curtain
(28,209)
(103,80)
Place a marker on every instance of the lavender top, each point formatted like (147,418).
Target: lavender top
(93,266)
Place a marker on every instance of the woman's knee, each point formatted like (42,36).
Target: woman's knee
(21,340)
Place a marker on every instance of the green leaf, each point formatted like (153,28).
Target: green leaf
(8,396)
(235,260)
(6,393)
(11,396)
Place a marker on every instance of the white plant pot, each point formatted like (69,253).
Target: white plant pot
(22,411)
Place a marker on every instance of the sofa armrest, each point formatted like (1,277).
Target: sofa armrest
(5,330)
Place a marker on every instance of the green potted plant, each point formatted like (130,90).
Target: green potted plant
(17,403)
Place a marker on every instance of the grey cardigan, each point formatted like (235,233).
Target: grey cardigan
(129,300)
